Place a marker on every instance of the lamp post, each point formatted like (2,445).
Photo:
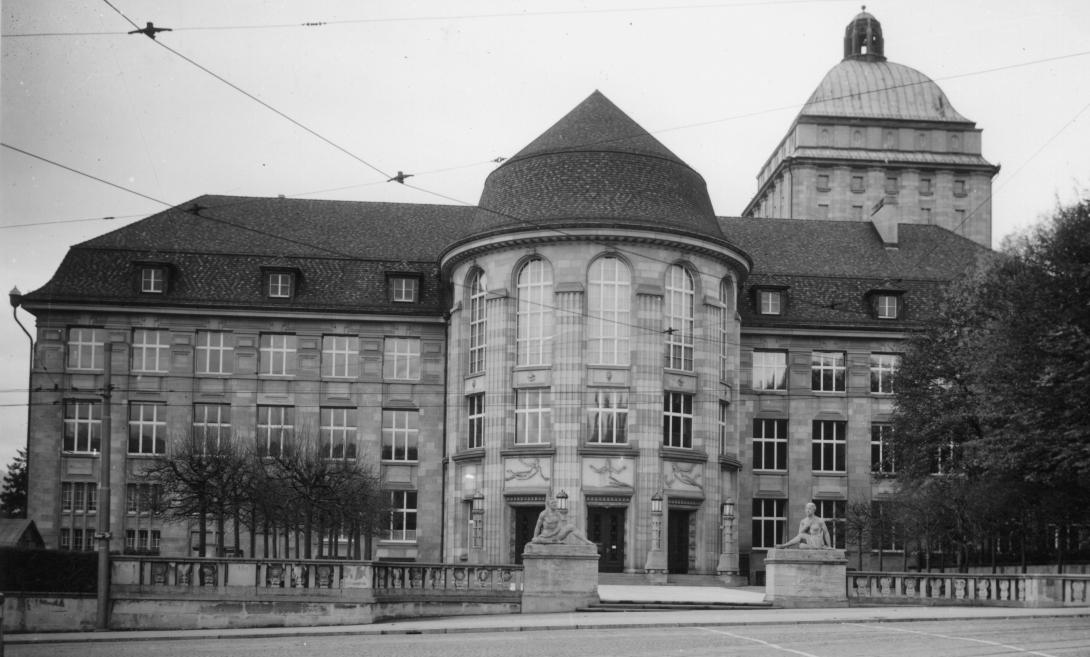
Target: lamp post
(476,511)
(656,558)
(728,556)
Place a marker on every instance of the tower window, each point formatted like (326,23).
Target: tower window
(959,188)
(857,184)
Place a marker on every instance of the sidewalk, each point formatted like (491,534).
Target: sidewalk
(585,620)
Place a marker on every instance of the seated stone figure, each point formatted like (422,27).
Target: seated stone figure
(813,534)
(554,527)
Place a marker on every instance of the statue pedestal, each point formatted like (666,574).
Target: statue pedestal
(559,577)
(806,578)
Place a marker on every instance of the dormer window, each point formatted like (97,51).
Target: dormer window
(153,279)
(886,305)
(280,283)
(403,288)
(770,301)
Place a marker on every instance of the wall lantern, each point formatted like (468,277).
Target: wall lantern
(478,503)
(562,500)
(728,508)
(656,503)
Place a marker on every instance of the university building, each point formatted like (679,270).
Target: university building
(591,330)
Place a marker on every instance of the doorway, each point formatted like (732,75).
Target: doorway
(677,542)
(525,522)
(605,526)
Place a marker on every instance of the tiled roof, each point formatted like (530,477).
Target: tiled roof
(829,266)
(880,89)
(596,167)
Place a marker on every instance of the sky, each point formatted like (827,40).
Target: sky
(331,98)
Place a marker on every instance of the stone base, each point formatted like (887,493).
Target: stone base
(559,577)
(806,578)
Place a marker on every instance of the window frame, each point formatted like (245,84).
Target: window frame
(882,453)
(76,423)
(277,354)
(533,416)
(763,371)
(887,305)
(403,288)
(150,357)
(338,433)
(340,360)
(79,345)
(280,284)
(770,441)
(608,421)
(208,425)
(400,435)
(829,447)
(677,419)
(680,318)
(883,371)
(834,513)
(770,301)
(205,352)
(534,314)
(275,424)
(401,358)
(402,515)
(828,371)
(145,444)
(478,322)
(153,279)
(769,522)
(475,420)
(609,312)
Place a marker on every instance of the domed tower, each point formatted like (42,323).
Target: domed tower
(593,352)
(879,142)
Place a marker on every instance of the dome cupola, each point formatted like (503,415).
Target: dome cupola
(863,38)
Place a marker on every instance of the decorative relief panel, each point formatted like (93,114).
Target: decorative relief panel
(608,472)
(683,476)
(527,472)
(608,376)
(533,378)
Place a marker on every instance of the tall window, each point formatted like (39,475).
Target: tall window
(829,446)
(401,359)
(533,416)
(150,350)
(610,307)
(925,187)
(881,448)
(680,318)
(278,354)
(726,317)
(609,417)
(827,371)
(477,324)
(724,414)
(400,433)
(769,444)
(338,433)
(275,428)
(211,425)
(769,520)
(833,513)
(402,515)
(535,313)
(213,353)
(85,348)
(340,356)
(677,419)
(475,417)
(147,428)
(769,370)
(882,369)
(82,427)
(79,497)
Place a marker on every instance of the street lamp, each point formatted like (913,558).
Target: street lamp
(728,556)
(656,503)
(656,560)
(476,510)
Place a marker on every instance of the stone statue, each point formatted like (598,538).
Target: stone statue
(812,532)
(554,527)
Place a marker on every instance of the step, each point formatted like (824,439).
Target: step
(673,606)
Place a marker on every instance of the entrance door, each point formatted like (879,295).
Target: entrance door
(525,522)
(677,542)
(605,526)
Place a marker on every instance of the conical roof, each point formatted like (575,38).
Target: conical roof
(596,167)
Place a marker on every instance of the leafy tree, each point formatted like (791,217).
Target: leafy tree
(13,497)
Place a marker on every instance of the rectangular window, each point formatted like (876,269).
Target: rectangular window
(141,499)
(477,324)
(79,497)
(401,359)
(677,420)
(857,184)
(400,433)
(340,356)
(338,433)
(892,185)
(213,353)
(680,318)
(882,369)
(275,428)
(279,284)
(829,446)
(82,427)
(769,520)
(475,417)
(959,188)
(85,348)
(823,182)
(150,350)
(404,289)
(887,306)
(925,187)
(142,541)
(770,445)
(211,425)
(153,280)
(857,213)
(881,449)
(769,302)
(770,370)
(823,211)
(724,436)
(827,371)
(609,417)
(926,216)
(402,515)
(147,428)
(77,540)
(959,218)
(277,354)
(833,513)
(533,416)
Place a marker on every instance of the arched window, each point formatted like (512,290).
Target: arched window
(477,291)
(726,314)
(609,309)
(680,296)
(535,313)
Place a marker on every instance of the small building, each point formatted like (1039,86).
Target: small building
(20,533)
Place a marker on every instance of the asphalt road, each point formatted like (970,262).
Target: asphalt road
(1043,637)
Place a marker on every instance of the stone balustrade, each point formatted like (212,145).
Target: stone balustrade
(403,580)
(1013,590)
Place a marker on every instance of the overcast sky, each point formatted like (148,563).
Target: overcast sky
(439,89)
